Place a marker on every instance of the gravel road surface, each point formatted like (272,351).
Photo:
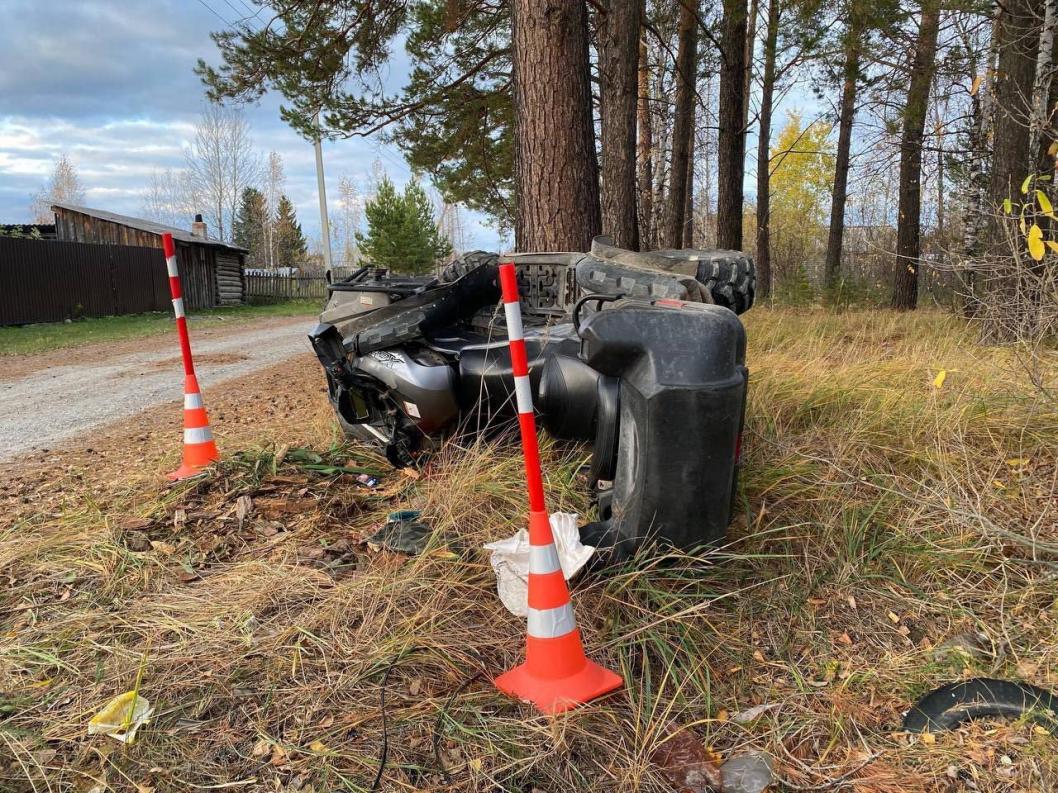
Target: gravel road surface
(67,399)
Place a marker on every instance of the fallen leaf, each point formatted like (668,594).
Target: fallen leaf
(844,638)
(938,381)
(758,656)
(893,618)
(685,763)
(928,738)
(243,507)
(754,713)
(318,746)
(163,547)
(261,748)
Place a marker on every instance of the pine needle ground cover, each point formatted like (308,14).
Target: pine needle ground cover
(897,532)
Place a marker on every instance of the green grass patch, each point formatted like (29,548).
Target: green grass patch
(28,339)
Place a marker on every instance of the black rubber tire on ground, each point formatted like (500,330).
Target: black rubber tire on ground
(465,263)
(730,276)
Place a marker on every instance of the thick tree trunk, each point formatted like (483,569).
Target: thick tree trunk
(1044,89)
(683,120)
(618,84)
(767,94)
(909,213)
(751,44)
(688,205)
(556,170)
(842,157)
(1018,34)
(731,142)
(646,150)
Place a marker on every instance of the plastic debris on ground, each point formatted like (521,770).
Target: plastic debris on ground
(747,773)
(510,560)
(403,532)
(121,717)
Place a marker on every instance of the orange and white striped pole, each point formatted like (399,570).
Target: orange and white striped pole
(556,675)
(200,450)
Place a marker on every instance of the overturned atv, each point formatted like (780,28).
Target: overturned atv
(640,353)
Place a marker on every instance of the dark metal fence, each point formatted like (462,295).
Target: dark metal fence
(46,281)
(285,287)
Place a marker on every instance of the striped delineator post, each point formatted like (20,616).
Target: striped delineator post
(200,450)
(556,675)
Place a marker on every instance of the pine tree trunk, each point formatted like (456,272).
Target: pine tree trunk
(688,205)
(618,46)
(909,213)
(556,170)
(646,149)
(751,45)
(731,141)
(1043,89)
(771,38)
(1018,33)
(683,121)
(842,157)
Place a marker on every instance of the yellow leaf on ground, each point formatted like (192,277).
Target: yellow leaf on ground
(928,738)
(1017,462)
(938,381)
(318,746)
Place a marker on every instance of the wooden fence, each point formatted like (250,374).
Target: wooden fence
(261,288)
(47,281)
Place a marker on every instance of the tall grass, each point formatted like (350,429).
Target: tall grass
(883,516)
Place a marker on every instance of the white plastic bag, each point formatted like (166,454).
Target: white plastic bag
(510,560)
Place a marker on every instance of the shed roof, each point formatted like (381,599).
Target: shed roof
(150,226)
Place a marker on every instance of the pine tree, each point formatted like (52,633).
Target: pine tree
(290,241)
(401,234)
(251,225)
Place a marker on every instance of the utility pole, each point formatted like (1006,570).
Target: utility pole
(321,189)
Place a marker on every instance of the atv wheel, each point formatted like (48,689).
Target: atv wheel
(465,263)
(729,276)
(731,279)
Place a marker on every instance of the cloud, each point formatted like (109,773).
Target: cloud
(111,84)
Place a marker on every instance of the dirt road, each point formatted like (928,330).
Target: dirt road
(64,394)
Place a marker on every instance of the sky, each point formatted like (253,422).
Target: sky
(110,84)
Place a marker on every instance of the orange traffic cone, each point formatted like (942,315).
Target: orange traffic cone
(200,450)
(556,675)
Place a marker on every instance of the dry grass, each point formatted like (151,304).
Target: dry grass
(883,516)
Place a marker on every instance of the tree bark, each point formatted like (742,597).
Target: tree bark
(909,213)
(731,140)
(683,120)
(646,149)
(1018,34)
(556,170)
(842,157)
(688,205)
(767,94)
(751,44)
(1043,89)
(618,46)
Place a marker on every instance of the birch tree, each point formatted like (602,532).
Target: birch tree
(221,163)
(63,186)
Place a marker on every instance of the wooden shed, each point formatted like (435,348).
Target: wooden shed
(211,271)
